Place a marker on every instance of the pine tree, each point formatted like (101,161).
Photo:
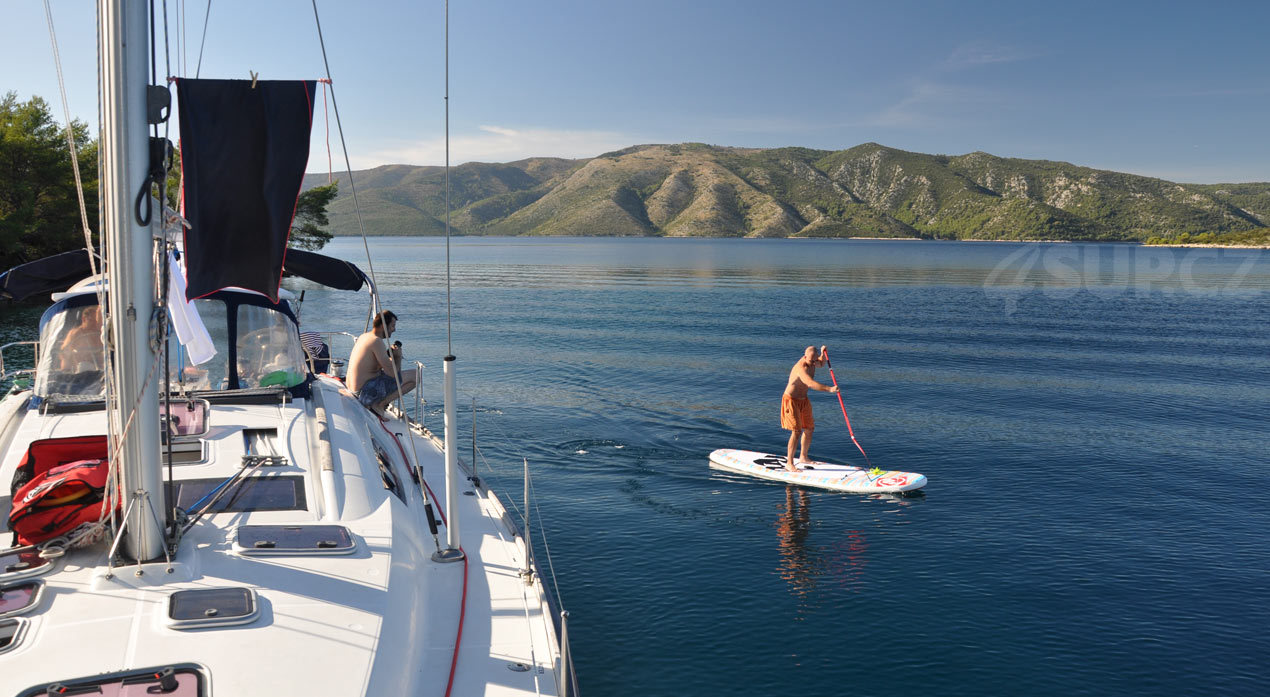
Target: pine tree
(308,230)
(39,208)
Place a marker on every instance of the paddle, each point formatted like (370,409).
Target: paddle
(825,354)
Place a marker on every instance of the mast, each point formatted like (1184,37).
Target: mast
(123,40)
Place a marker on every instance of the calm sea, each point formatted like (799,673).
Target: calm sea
(1092,419)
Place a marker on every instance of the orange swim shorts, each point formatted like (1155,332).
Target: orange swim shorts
(796,413)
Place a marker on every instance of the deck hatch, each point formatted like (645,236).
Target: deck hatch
(211,607)
(16,565)
(256,493)
(265,540)
(19,598)
(11,631)
(187,452)
(184,680)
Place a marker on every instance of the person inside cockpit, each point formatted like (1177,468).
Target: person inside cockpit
(81,349)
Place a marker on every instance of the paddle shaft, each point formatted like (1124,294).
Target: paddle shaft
(844,408)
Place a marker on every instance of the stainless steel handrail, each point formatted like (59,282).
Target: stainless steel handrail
(567,679)
(327,338)
(420,401)
(5,374)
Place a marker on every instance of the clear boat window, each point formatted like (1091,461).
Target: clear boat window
(269,349)
(213,374)
(186,418)
(256,493)
(72,362)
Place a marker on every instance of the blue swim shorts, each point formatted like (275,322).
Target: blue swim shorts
(376,389)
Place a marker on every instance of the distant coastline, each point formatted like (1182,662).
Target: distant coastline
(1214,246)
(803,237)
(867,191)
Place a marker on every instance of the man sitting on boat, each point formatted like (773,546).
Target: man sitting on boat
(374,370)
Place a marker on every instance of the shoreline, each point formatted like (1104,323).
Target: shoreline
(1213,246)
(795,237)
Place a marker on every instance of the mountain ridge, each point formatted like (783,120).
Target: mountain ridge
(869,190)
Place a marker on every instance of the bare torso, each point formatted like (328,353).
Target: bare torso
(801,377)
(367,360)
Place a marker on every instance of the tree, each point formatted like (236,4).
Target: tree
(172,187)
(39,207)
(308,230)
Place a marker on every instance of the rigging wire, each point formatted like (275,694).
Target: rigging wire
(107,364)
(498,485)
(165,343)
(113,431)
(185,51)
(376,305)
(326,121)
(70,143)
(533,498)
(348,165)
(198,68)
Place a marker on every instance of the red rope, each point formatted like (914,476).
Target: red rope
(327,112)
(844,409)
(422,481)
(458,640)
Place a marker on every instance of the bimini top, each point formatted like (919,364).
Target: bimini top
(329,271)
(60,271)
(46,275)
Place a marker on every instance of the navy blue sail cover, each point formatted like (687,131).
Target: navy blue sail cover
(329,271)
(47,275)
(244,147)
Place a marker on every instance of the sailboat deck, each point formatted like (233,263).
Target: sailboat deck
(383,619)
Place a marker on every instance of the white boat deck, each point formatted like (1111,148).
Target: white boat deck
(382,620)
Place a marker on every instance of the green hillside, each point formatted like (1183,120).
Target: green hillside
(697,190)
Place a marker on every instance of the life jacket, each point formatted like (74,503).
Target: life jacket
(58,486)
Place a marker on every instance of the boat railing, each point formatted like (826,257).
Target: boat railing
(421,404)
(567,676)
(7,371)
(337,358)
(568,681)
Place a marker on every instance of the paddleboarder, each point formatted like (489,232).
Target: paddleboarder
(796,408)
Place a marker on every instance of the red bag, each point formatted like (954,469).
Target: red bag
(54,496)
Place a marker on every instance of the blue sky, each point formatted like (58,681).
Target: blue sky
(1173,90)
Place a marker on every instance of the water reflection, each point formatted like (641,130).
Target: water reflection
(791,531)
(804,566)
(813,571)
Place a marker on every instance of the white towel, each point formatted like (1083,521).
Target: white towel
(189,326)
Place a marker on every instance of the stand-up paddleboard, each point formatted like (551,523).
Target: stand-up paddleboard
(825,475)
